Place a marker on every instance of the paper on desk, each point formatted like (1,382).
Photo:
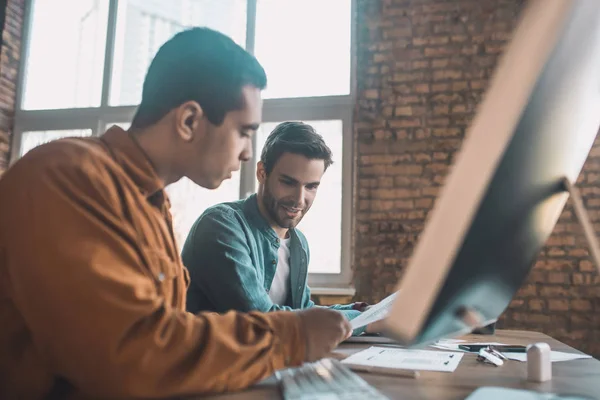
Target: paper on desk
(422,360)
(555,356)
(446,344)
(375,313)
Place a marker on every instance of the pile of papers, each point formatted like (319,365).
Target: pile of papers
(555,356)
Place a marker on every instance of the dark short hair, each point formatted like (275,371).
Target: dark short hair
(297,138)
(201,65)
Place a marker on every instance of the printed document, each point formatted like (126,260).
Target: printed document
(422,360)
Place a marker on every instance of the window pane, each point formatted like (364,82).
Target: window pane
(145,25)
(304,46)
(189,200)
(32,139)
(66,59)
(322,224)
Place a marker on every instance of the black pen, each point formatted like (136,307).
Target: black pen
(503,349)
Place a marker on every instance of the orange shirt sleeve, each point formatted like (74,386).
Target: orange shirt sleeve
(95,315)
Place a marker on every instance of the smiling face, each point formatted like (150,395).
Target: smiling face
(286,194)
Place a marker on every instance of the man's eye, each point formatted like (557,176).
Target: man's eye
(245,134)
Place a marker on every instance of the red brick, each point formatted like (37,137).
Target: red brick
(431,191)
(558,277)
(403,111)
(422,88)
(371,94)
(440,63)
(537,304)
(422,95)
(558,304)
(460,86)
(587,266)
(10,47)
(560,241)
(447,74)
(578,253)
(581,305)
(424,203)
(422,157)
(528,290)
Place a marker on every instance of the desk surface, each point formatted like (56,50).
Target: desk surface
(580,377)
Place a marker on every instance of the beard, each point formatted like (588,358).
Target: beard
(276,210)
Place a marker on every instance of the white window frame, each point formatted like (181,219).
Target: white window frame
(274,110)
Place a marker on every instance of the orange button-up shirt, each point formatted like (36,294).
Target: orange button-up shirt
(92,288)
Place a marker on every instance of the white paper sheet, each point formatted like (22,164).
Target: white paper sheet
(555,356)
(375,313)
(446,344)
(421,360)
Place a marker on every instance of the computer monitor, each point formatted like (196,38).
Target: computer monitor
(504,194)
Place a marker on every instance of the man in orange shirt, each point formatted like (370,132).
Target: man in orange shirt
(92,289)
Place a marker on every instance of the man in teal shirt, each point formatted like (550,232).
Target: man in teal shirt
(247,255)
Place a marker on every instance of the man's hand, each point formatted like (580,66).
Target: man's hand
(324,330)
(361,306)
(376,327)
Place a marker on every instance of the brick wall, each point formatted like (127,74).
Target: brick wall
(423,66)
(11,21)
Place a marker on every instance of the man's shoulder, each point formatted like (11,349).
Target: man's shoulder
(230,209)
(214,218)
(72,159)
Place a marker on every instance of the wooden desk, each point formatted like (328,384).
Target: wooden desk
(580,377)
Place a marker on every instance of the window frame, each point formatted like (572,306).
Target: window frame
(274,110)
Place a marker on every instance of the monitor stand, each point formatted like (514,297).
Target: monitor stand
(584,220)
(474,319)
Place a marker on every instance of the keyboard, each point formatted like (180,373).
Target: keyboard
(326,379)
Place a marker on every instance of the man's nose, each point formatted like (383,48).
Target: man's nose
(247,153)
(300,197)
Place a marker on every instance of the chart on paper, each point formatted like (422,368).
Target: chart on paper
(423,360)
(375,313)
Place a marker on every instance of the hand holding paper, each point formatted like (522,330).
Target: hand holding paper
(373,314)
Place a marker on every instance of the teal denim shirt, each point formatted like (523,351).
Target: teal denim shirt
(231,254)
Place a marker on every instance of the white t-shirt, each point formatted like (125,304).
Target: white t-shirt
(281,281)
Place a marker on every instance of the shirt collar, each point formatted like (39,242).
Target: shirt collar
(130,156)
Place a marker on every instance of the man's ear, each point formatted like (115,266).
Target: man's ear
(261,173)
(188,116)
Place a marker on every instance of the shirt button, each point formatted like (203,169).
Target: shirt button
(161,277)
(274,262)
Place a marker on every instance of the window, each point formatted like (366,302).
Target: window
(32,139)
(304,46)
(68,75)
(84,74)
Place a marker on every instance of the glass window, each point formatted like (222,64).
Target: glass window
(322,224)
(32,139)
(188,202)
(65,59)
(144,25)
(304,46)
